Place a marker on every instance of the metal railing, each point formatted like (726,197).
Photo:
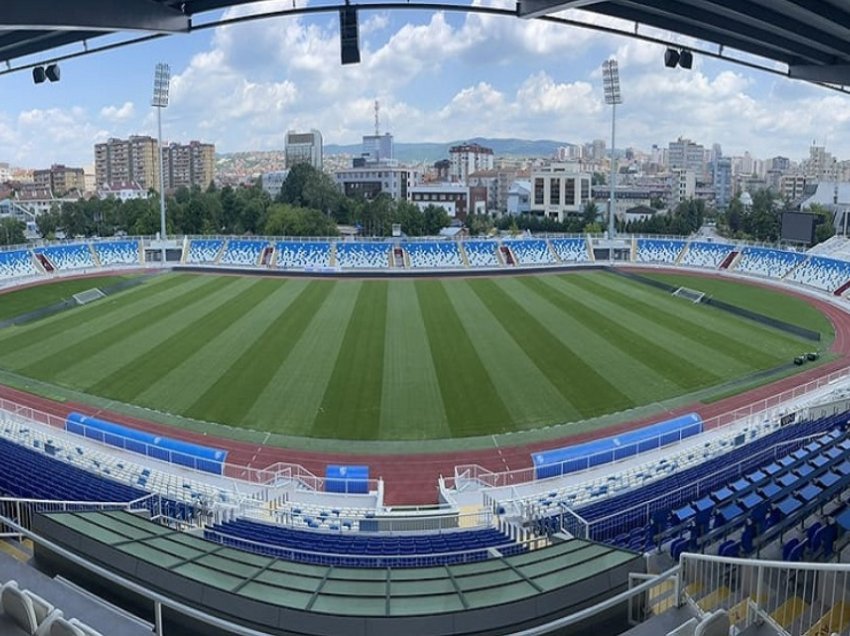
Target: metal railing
(277,475)
(754,413)
(794,598)
(22,510)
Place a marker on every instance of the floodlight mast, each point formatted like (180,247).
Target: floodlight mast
(611,84)
(161,82)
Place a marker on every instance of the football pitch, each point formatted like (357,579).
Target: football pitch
(404,359)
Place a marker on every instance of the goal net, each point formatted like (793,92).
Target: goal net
(689,294)
(88,296)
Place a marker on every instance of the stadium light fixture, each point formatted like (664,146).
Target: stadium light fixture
(611,84)
(161,83)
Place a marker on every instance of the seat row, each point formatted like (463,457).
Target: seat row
(34,616)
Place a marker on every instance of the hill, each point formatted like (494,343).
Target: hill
(430,152)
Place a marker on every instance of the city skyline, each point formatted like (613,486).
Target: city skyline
(439,77)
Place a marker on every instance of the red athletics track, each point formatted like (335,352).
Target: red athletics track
(412,478)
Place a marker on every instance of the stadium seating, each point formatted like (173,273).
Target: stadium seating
(303,255)
(16,264)
(658,250)
(112,253)
(570,250)
(481,253)
(109,466)
(242,252)
(530,251)
(68,257)
(203,251)
(361,550)
(362,255)
(705,255)
(768,262)
(433,255)
(632,508)
(824,273)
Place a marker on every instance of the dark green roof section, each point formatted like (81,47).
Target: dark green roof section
(347,591)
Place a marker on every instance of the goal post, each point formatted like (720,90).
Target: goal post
(693,295)
(90,295)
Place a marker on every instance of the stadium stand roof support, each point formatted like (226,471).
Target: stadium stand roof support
(93,15)
(811,36)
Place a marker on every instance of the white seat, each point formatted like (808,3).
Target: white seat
(27,610)
(73,627)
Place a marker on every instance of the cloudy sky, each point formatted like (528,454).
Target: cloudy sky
(438,77)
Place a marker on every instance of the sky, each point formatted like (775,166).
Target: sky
(438,77)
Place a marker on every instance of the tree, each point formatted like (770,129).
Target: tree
(48,222)
(598,178)
(590,213)
(824,227)
(289,220)
(479,224)
(12,232)
(436,218)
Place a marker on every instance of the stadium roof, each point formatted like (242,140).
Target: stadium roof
(811,37)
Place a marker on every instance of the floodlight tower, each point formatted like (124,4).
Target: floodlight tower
(161,82)
(611,83)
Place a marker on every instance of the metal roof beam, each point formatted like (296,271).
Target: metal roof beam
(535,8)
(93,15)
(707,34)
(779,23)
(836,74)
(711,26)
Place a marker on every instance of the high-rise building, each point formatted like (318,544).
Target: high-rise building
(61,179)
(304,148)
(722,181)
(126,161)
(468,158)
(684,154)
(188,165)
(378,148)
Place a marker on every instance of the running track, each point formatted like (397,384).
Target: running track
(412,478)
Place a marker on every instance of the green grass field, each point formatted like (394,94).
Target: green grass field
(399,360)
(16,303)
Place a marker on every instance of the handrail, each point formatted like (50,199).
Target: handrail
(602,606)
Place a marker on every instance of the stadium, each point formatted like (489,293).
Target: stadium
(534,434)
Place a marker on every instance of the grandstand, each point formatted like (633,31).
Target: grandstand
(705,255)
(768,262)
(303,255)
(433,255)
(242,252)
(362,255)
(658,250)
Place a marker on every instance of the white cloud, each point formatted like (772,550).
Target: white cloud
(441,77)
(118,113)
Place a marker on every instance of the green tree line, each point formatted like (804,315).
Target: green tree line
(309,204)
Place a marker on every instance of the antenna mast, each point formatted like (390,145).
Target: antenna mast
(377,120)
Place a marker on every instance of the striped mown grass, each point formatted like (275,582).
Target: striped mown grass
(402,359)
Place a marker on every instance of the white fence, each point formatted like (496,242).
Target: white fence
(794,598)
(466,475)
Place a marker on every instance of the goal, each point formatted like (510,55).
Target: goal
(689,294)
(90,295)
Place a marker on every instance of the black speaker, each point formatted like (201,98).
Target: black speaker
(671,58)
(349,38)
(686,59)
(52,72)
(38,75)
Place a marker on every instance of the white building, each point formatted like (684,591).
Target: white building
(684,154)
(303,148)
(468,158)
(519,197)
(457,199)
(272,182)
(559,190)
(371,179)
(122,191)
(683,186)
